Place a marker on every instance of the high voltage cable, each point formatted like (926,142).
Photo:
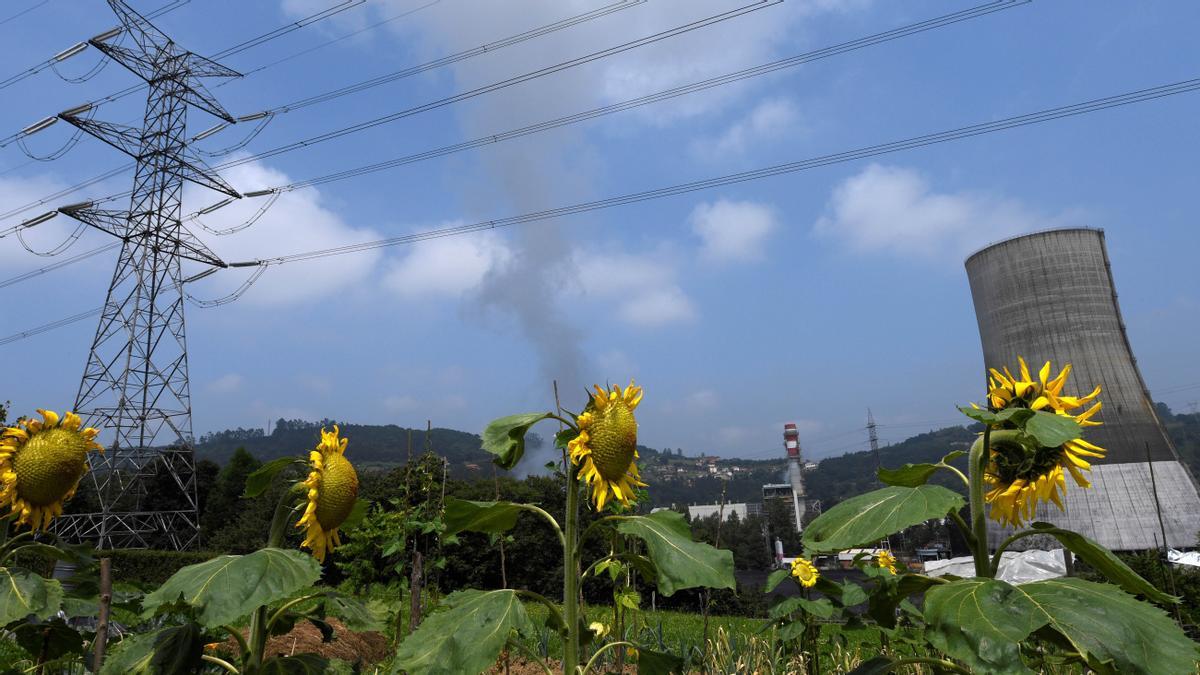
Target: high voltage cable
(729,78)
(23,12)
(503,84)
(1049,114)
(34,70)
(60,264)
(504,42)
(229,51)
(50,326)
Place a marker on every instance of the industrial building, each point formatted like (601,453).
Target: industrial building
(1051,296)
(741,509)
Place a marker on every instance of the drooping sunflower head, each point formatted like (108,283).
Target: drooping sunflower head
(332,490)
(41,463)
(1020,473)
(805,572)
(606,448)
(885,560)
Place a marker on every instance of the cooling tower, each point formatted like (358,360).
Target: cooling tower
(1050,296)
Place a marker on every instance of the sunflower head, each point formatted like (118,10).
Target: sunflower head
(1021,473)
(41,463)
(606,448)
(332,489)
(805,572)
(886,561)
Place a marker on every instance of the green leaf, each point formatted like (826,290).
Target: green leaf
(258,482)
(886,599)
(869,517)
(23,593)
(177,650)
(659,663)
(564,437)
(680,562)
(1052,430)
(132,655)
(229,587)
(466,637)
(775,578)
(296,664)
(51,640)
(1017,416)
(354,614)
(1105,562)
(491,517)
(1109,626)
(981,622)
(909,475)
(505,437)
(822,608)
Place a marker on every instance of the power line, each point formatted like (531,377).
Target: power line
(674,92)
(76,48)
(23,12)
(50,326)
(1046,115)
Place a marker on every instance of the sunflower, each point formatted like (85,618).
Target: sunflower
(805,572)
(1020,476)
(332,490)
(886,561)
(41,464)
(606,447)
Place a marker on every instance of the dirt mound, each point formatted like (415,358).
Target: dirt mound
(347,645)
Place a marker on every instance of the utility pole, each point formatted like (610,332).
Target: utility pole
(135,385)
(874,439)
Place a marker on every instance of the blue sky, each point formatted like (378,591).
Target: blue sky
(808,297)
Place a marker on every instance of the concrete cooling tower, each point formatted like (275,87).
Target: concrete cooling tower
(1050,296)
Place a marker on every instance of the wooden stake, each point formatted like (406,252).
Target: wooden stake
(101,640)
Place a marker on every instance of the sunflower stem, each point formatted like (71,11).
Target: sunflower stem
(258,621)
(978,462)
(571,574)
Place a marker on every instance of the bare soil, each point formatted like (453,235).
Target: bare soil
(347,645)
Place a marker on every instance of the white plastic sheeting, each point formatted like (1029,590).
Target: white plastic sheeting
(1180,558)
(1016,567)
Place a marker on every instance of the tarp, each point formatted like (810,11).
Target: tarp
(1180,558)
(1016,567)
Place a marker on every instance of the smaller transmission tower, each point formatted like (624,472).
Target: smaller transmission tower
(874,438)
(135,385)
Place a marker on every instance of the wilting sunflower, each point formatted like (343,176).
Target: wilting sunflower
(885,560)
(1019,476)
(606,447)
(805,572)
(332,490)
(41,464)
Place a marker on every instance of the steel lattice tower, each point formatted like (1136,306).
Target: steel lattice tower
(135,385)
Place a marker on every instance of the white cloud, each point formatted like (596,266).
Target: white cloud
(770,121)
(226,384)
(702,400)
(299,221)
(732,231)
(400,404)
(449,266)
(643,286)
(895,210)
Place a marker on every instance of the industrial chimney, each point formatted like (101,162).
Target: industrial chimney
(1050,296)
(791,442)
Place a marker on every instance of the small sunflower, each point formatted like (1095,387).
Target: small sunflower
(332,490)
(1020,477)
(41,464)
(805,572)
(886,561)
(606,447)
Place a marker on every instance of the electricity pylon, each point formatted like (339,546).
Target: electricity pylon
(135,386)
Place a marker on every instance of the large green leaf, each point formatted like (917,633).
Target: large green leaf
(888,597)
(650,662)
(466,637)
(258,482)
(353,613)
(774,579)
(680,562)
(981,622)
(1106,563)
(230,587)
(822,608)
(1052,430)
(177,650)
(869,517)
(1109,626)
(462,515)
(505,437)
(23,593)
(912,475)
(132,655)
(296,664)
(49,640)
